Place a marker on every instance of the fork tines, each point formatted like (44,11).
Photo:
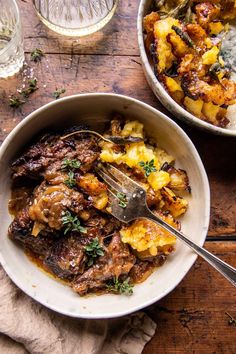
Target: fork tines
(116,179)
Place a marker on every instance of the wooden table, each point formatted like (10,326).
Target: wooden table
(192,318)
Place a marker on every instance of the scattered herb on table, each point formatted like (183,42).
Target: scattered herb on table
(93,250)
(72,223)
(70,181)
(30,89)
(70,164)
(148,167)
(36,55)
(122,287)
(15,102)
(58,93)
(122,200)
(232,320)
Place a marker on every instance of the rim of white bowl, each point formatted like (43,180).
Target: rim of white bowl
(186,116)
(192,257)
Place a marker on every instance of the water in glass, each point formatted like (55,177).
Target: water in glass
(11,40)
(75,17)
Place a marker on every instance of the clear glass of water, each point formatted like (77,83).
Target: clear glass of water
(11,39)
(75,17)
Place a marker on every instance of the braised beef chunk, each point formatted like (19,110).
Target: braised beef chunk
(50,202)
(67,257)
(142,269)
(48,153)
(20,231)
(99,225)
(117,261)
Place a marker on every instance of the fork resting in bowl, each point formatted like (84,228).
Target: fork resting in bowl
(136,207)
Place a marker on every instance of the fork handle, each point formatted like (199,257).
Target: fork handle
(225,269)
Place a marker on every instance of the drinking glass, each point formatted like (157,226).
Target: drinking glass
(75,17)
(11,39)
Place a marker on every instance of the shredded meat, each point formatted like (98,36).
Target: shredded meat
(67,257)
(142,269)
(117,260)
(20,231)
(47,154)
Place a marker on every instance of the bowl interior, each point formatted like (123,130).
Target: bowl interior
(145,7)
(96,109)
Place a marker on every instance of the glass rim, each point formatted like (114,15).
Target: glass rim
(17,24)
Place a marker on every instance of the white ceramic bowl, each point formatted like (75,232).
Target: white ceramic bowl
(162,94)
(95,109)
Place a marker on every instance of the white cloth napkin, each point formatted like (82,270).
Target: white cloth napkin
(28,327)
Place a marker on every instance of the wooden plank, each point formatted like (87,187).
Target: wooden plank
(119,37)
(192,318)
(89,73)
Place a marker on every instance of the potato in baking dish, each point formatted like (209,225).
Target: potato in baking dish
(185,44)
(152,167)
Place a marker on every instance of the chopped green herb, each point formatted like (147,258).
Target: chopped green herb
(122,200)
(72,223)
(70,181)
(93,250)
(122,287)
(70,164)
(184,36)
(15,102)
(58,93)
(232,320)
(31,88)
(36,55)
(148,167)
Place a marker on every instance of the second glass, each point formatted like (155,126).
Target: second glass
(75,17)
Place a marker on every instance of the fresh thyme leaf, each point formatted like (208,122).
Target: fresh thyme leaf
(31,88)
(70,164)
(15,102)
(148,167)
(58,93)
(70,181)
(72,223)
(93,250)
(36,55)
(122,287)
(122,200)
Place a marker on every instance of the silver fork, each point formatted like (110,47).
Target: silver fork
(136,207)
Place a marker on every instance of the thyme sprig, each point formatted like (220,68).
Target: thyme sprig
(15,101)
(36,55)
(70,181)
(72,223)
(32,87)
(122,200)
(148,167)
(93,250)
(57,94)
(68,164)
(121,287)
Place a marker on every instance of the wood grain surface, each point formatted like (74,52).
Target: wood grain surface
(192,318)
